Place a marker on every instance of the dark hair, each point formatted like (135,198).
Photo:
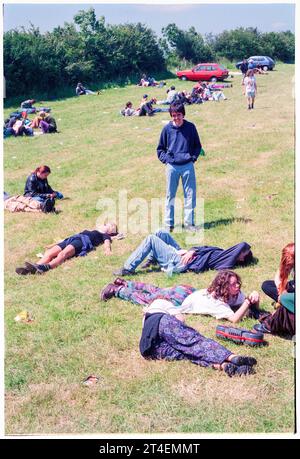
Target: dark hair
(247,260)
(220,285)
(177,107)
(42,170)
(172,88)
(128,103)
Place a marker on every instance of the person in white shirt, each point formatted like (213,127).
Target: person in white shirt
(250,88)
(223,299)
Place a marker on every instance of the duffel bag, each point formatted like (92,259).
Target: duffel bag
(240,335)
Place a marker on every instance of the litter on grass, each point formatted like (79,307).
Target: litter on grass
(91,380)
(24,316)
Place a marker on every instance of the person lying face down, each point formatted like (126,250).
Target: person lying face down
(160,248)
(77,245)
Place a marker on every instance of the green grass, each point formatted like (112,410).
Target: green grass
(247,183)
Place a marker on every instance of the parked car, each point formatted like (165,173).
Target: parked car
(262,62)
(205,72)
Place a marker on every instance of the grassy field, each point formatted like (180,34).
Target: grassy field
(247,182)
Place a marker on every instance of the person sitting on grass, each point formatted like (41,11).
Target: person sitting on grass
(38,188)
(128,110)
(223,298)
(162,249)
(281,283)
(35,123)
(171,96)
(73,246)
(165,336)
(81,90)
(146,107)
(47,123)
(28,103)
(282,321)
(19,125)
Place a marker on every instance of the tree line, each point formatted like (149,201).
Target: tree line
(91,51)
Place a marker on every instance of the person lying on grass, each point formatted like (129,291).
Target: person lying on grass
(77,245)
(161,249)
(223,299)
(166,337)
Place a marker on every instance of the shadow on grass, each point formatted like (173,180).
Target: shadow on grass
(226,221)
(67,92)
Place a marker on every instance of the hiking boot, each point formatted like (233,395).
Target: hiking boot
(234,370)
(22,271)
(34,268)
(109,291)
(123,272)
(261,328)
(120,282)
(241,360)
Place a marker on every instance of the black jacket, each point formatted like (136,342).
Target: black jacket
(37,187)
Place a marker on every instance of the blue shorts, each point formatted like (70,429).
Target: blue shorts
(76,243)
(250,93)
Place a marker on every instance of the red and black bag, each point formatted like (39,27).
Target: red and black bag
(240,335)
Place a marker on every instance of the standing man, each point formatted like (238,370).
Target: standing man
(244,68)
(179,147)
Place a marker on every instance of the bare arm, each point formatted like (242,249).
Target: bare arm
(107,247)
(252,299)
(241,312)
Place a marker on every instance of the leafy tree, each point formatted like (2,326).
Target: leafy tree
(238,43)
(188,45)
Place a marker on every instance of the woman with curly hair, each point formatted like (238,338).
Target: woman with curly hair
(281,283)
(223,299)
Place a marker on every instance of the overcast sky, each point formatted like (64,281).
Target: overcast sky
(204,17)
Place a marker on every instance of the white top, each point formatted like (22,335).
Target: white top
(199,302)
(202,302)
(250,84)
(171,94)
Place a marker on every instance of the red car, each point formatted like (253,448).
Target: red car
(205,72)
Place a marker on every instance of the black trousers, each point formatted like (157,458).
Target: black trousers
(270,289)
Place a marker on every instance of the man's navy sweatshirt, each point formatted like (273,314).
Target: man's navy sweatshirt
(179,145)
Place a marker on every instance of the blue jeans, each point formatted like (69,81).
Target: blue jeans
(187,174)
(160,247)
